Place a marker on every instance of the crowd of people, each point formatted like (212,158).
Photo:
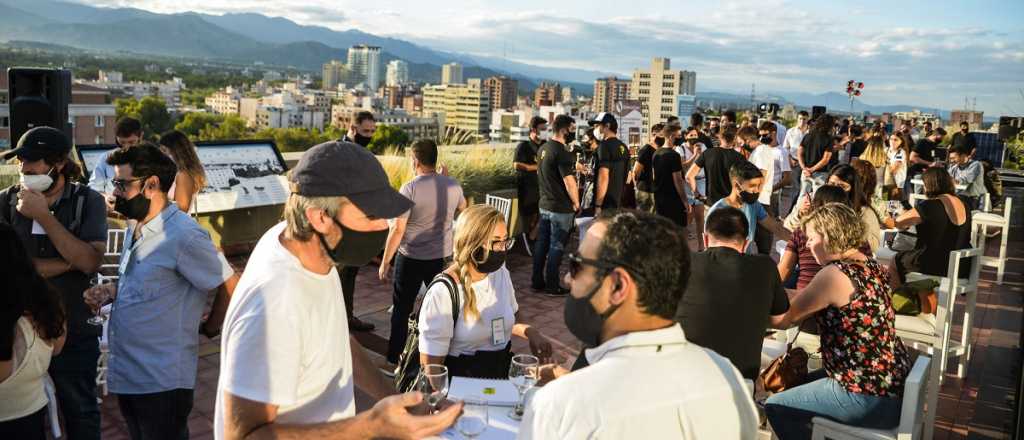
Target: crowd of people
(670,289)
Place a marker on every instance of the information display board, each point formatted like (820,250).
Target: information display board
(239,174)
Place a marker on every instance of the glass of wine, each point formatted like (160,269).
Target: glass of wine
(523,374)
(474,418)
(433,383)
(100,318)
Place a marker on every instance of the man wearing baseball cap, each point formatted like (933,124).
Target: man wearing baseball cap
(288,364)
(612,161)
(63,225)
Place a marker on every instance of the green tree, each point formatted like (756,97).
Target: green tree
(231,128)
(194,122)
(151,111)
(388,136)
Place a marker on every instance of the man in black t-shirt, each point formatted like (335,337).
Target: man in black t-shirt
(669,194)
(716,163)
(923,154)
(815,153)
(964,139)
(612,163)
(732,297)
(642,170)
(527,187)
(857,142)
(559,202)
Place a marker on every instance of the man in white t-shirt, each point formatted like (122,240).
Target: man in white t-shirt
(288,365)
(791,144)
(644,380)
(774,165)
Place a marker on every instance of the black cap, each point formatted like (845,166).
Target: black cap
(40,142)
(345,169)
(602,118)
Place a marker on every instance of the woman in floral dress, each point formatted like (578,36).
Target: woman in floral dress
(864,362)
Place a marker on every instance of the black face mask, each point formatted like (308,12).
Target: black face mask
(135,208)
(356,248)
(569,137)
(714,130)
(494,261)
(582,320)
(748,147)
(766,139)
(679,142)
(362,140)
(659,142)
(749,197)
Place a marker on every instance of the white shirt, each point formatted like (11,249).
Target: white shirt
(780,132)
(285,339)
(774,161)
(792,141)
(687,154)
(496,302)
(645,385)
(898,155)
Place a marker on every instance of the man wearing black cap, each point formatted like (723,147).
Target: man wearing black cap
(612,161)
(364,125)
(288,364)
(63,226)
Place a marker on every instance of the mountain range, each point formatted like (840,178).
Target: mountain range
(251,37)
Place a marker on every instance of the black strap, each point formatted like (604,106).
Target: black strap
(453,293)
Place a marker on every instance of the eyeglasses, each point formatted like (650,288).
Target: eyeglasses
(576,263)
(122,184)
(502,245)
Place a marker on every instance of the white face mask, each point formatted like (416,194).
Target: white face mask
(37,182)
(598,134)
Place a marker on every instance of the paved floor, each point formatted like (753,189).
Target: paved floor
(979,407)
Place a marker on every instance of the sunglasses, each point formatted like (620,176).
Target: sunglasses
(576,263)
(122,184)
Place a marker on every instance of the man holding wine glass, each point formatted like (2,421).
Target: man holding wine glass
(644,379)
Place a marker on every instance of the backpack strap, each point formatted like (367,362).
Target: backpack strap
(79,195)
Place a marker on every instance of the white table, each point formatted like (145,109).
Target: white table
(500,426)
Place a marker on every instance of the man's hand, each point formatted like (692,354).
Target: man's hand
(384,272)
(597,211)
(109,199)
(549,373)
(391,418)
(96,296)
(807,172)
(32,204)
(540,345)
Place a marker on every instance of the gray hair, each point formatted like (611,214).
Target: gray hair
(298,226)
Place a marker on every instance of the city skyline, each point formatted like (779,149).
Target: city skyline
(919,54)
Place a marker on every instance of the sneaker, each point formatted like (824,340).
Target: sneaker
(388,369)
(537,286)
(358,325)
(556,292)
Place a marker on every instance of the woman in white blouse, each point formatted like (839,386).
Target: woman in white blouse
(478,344)
(896,170)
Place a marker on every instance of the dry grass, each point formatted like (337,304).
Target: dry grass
(479,170)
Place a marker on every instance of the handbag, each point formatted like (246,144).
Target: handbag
(915,298)
(408,369)
(786,371)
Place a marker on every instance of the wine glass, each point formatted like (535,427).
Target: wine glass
(100,318)
(474,418)
(433,383)
(523,374)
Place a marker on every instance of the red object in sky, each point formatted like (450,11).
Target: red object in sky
(857,93)
(860,85)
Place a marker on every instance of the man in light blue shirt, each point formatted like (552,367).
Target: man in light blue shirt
(128,134)
(167,269)
(967,171)
(747,180)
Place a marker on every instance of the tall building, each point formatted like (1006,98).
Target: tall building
(224,102)
(609,91)
(451,73)
(398,73)
(502,90)
(973,117)
(365,61)
(461,106)
(656,89)
(335,73)
(547,94)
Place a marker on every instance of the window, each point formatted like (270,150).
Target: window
(99,121)
(98,140)
(5,122)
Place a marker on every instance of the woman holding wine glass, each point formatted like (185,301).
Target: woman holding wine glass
(475,341)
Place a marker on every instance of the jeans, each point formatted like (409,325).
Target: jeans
(348,287)
(552,235)
(74,376)
(162,415)
(790,412)
(410,274)
(645,201)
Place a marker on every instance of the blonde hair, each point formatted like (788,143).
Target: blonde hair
(473,231)
(875,153)
(298,226)
(839,224)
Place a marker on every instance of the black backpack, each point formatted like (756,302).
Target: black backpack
(408,368)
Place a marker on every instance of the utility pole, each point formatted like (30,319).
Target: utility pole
(752,108)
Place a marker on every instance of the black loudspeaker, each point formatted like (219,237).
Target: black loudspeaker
(1009,127)
(817,110)
(38,97)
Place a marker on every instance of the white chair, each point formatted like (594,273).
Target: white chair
(979,233)
(917,390)
(931,334)
(115,243)
(504,206)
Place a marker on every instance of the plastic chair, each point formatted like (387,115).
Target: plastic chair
(917,391)
(504,206)
(931,334)
(980,223)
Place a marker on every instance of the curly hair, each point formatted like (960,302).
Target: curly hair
(654,251)
(839,224)
(28,294)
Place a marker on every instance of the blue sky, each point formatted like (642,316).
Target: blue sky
(926,53)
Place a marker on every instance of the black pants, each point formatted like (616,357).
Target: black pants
(410,274)
(30,427)
(157,416)
(482,364)
(348,287)
(74,376)
(764,238)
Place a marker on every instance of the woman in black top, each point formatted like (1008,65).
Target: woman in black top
(669,200)
(943,224)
